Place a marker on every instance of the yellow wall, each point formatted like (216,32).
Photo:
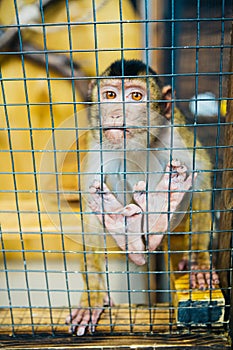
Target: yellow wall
(39,113)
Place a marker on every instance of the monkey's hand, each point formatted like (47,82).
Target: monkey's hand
(156,204)
(201,275)
(123,223)
(88,313)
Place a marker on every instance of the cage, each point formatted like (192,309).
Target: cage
(76,269)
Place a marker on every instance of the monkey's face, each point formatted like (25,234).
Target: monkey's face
(122,114)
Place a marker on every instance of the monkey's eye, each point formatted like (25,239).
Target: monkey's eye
(136,96)
(110,95)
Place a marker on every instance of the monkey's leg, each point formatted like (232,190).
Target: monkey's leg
(201,275)
(159,201)
(123,223)
(93,299)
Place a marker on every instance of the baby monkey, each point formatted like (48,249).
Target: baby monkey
(140,153)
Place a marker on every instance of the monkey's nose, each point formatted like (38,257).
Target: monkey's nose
(116,116)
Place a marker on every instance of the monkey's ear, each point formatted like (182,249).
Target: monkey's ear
(91,85)
(167,96)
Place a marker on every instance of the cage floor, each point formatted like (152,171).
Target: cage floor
(140,328)
(118,319)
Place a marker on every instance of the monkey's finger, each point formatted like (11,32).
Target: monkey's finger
(182,184)
(178,175)
(175,166)
(181,169)
(167,177)
(130,210)
(74,314)
(174,163)
(214,282)
(106,201)
(83,324)
(95,186)
(178,172)
(200,276)
(211,277)
(193,282)
(95,315)
(154,241)
(97,190)
(211,282)
(215,278)
(138,259)
(75,318)
(188,181)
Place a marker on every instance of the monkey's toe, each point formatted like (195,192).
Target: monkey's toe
(201,276)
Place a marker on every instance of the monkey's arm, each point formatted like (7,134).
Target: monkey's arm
(94,297)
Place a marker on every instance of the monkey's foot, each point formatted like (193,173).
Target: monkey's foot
(176,182)
(201,276)
(86,316)
(123,223)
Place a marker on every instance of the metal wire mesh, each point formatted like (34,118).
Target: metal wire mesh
(50,52)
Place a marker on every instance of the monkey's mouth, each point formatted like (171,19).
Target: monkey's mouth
(116,134)
(119,128)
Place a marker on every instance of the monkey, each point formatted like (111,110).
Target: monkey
(138,180)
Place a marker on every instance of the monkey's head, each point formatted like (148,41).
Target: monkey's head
(128,100)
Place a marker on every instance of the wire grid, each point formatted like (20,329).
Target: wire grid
(39,278)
